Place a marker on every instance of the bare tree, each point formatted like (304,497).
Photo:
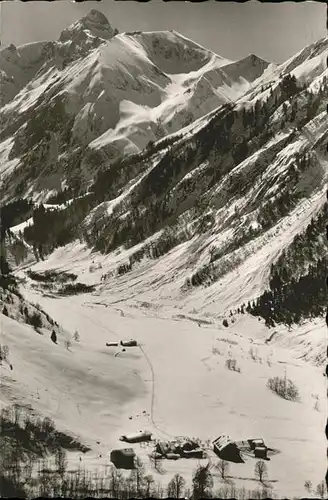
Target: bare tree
(321,490)
(17,414)
(115,481)
(47,426)
(159,491)
(260,470)
(187,493)
(68,344)
(149,481)
(129,486)
(138,477)
(242,493)
(223,467)
(252,354)
(175,486)
(308,486)
(4,352)
(223,492)
(156,463)
(76,336)
(61,462)
(44,478)
(202,482)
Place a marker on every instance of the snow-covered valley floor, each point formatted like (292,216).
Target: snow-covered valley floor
(175,383)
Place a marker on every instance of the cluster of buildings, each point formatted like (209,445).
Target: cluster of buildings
(223,447)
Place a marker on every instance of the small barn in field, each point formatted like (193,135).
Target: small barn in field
(129,343)
(259,448)
(164,447)
(137,437)
(124,458)
(261,452)
(189,449)
(226,449)
(256,442)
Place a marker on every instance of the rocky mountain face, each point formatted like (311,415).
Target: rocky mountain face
(72,106)
(230,201)
(174,158)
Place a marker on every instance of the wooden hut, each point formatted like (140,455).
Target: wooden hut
(123,458)
(129,343)
(137,437)
(254,443)
(164,447)
(261,452)
(197,453)
(226,449)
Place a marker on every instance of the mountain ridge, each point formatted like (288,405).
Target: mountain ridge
(139,71)
(233,170)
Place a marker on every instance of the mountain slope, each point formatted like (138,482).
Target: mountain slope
(218,200)
(215,207)
(100,94)
(95,24)
(19,66)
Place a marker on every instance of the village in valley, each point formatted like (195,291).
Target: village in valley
(183,447)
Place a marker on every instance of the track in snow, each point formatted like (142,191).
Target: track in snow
(152,404)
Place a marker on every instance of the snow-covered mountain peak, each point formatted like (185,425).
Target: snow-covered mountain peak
(8,51)
(173,52)
(254,59)
(250,68)
(115,95)
(94,24)
(97,18)
(308,58)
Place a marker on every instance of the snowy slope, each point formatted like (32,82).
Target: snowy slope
(18,66)
(241,272)
(308,66)
(309,62)
(117,91)
(91,393)
(55,380)
(235,201)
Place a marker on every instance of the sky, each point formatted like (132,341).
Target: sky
(272,31)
